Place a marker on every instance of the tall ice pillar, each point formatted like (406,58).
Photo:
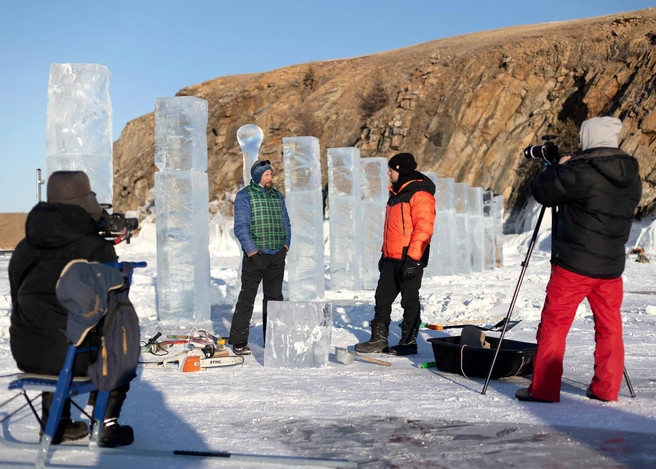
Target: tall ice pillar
(374,198)
(476,228)
(463,256)
(79,125)
(182,202)
(344,200)
(305,262)
(445,220)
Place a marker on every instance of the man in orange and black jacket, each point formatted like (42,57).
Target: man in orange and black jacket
(409,220)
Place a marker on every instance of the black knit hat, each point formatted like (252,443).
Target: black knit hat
(403,163)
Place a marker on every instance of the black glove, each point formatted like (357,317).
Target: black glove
(380,264)
(410,269)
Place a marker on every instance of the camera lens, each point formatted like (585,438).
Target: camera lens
(534,152)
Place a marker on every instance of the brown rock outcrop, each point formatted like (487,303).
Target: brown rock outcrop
(466,106)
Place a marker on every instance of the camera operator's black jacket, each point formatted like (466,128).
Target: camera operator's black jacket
(55,235)
(596,193)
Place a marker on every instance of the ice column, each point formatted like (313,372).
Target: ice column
(488,223)
(250,138)
(476,229)
(298,333)
(446,227)
(497,209)
(79,125)
(463,256)
(181,198)
(305,262)
(344,201)
(375,193)
(432,269)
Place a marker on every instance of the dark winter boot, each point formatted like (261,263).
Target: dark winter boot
(113,434)
(378,342)
(67,429)
(408,343)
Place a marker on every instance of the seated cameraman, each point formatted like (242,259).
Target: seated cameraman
(596,192)
(63,229)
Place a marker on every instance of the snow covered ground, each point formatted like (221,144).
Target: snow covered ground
(381,417)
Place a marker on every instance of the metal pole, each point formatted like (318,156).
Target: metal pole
(628,383)
(514,298)
(39,183)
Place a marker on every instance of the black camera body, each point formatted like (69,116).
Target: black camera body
(116,226)
(548,152)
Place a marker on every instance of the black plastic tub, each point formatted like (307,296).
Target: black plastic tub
(515,358)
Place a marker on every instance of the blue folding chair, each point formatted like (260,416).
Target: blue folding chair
(66,385)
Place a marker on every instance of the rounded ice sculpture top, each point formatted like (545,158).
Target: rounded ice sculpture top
(181,133)
(250,138)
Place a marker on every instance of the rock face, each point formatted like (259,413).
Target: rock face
(465,106)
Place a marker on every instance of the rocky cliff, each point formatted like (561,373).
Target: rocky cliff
(465,106)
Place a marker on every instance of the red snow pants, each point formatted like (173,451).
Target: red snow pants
(565,292)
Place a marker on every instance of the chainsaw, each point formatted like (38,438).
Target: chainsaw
(195,360)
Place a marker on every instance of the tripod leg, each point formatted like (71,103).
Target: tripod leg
(628,383)
(515,294)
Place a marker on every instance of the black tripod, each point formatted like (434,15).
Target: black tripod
(514,299)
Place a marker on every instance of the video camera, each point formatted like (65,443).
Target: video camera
(115,225)
(548,152)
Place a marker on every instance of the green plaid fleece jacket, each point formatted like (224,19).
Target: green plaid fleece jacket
(266,226)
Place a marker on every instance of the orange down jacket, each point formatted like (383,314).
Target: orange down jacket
(409,220)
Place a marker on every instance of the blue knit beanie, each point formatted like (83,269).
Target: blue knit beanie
(258,169)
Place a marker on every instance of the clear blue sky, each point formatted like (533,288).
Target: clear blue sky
(153,48)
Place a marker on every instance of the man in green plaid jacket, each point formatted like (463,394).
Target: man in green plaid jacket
(263,229)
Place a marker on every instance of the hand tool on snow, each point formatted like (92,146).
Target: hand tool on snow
(460,324)
(346,356)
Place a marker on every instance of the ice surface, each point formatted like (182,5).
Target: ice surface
(79,124)
(181,133)
(375,193)
(445,221)
(344,202)
(181,199)
(432,268)
(476,228)
(298,334)
(250,138)
(463,256)
(305,259)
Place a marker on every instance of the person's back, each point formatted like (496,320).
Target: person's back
(596,192)
(55,235)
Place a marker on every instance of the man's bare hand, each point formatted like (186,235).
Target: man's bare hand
(251,254)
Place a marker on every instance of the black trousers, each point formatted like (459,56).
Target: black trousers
(114,405)
(265,268)
(390,284)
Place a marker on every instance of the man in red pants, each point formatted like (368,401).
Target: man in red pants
(595,193)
